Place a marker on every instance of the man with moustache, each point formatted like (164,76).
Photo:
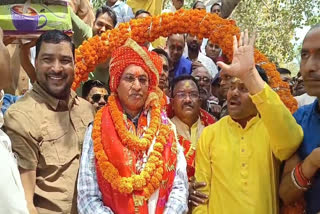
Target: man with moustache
(301,175)
(131,162)
(47,127)
(188,117)
(194,54)
(190,120)
(201,74)
(239,156)
(105,19)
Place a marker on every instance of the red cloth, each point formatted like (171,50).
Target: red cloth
(131,55)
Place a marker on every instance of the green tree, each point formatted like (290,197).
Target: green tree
(276,21)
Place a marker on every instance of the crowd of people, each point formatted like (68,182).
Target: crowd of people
(162,127)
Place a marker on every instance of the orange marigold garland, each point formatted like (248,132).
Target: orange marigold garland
(197,22)
(127,138)
(150,177)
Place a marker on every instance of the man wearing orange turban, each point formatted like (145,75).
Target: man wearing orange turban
(131,160)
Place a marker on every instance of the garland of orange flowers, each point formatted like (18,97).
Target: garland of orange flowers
(129,139)
(150,177)
(196,22)
(192,147)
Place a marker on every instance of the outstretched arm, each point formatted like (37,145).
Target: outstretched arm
(285,134)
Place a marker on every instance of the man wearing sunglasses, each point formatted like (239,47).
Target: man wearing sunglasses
(96,92)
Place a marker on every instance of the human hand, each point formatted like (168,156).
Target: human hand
(315,158)
(243,57)
(196,197)
(311,164)
(215,109)
(6,40)
(26,46)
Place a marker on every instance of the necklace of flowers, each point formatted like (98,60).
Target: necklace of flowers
(150,177)
(192,147)
(129,139)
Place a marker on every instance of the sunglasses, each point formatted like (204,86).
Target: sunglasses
(96,97)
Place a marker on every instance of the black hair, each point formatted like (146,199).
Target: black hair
(195,4)
(54,37)
(106,9)
(215,5)
(283,71)
(180,78)
(141,12)
(162,52)
(262,73)
(87,86)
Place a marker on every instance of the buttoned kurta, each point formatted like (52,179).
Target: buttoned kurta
(241,165)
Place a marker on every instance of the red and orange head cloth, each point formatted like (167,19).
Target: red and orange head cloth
(133,54)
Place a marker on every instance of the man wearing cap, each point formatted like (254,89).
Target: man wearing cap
(131,160)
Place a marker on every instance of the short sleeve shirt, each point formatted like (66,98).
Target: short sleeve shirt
(309,118)
(47,135)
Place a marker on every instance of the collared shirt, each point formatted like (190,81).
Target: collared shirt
(12,199)
(241,165)
(304,99)
(309,118)
(47,135)
(191,134)
(123,11)
(90,197)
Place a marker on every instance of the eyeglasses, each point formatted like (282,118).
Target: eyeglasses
(143,80)
(183,95)
(96,97)
(204,79)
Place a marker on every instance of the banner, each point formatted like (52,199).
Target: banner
(26,19)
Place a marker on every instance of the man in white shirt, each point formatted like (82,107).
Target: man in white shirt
(194,54)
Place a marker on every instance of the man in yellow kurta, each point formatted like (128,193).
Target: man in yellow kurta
(238,157)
